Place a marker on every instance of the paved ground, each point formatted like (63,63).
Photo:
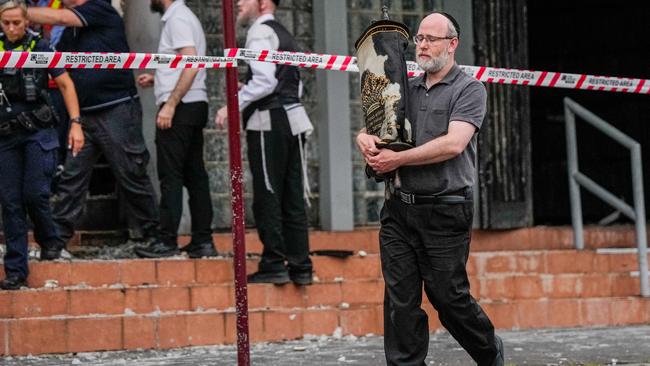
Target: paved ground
(595,346)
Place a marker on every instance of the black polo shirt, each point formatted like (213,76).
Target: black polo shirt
(102,31)
(457,97)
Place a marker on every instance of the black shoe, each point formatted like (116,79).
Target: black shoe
(499,359)
(13,282)
(276,278)
(50,253)
(200,250)
(157,249)
(301,278)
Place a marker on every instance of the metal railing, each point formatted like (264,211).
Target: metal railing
(577,179)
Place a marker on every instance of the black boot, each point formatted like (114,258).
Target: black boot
(13,282)
(50,253)
(200,250)
(157,249)
(301,278)
(276,278)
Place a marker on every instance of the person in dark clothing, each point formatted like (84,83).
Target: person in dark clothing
(28,143)
(183,101)
(276,128)
(426,220)
(53,34)
(112,116)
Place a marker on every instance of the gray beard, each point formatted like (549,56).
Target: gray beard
(434,65)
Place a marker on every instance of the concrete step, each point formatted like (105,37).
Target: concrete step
(161,330)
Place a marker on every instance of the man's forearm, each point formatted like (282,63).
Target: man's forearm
(182,86)
(434,151)
(44,15)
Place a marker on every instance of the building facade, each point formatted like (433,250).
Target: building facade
(522,159)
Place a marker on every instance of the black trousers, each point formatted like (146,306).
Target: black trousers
(115,132)
(26,173)
(429,244)
(180,163)
(279,212)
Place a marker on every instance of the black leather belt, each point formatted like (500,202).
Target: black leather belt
(420,199)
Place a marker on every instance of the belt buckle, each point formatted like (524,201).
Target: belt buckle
(407,198)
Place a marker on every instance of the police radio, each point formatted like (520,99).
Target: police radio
(31,91)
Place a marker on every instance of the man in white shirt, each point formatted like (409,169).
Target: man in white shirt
(276,128)
(183,101)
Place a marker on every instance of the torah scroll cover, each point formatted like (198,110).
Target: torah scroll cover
(384,83)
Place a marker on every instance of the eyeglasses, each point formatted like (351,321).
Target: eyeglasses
(430,39)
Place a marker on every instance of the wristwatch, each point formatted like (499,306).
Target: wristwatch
(76,120)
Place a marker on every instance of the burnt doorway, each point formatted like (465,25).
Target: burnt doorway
(504,160)
(592,37)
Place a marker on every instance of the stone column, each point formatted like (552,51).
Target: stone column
(336,198)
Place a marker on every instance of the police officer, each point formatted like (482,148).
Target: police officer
(28,143)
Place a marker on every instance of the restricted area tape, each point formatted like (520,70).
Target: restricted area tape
(482,73)
(106,60)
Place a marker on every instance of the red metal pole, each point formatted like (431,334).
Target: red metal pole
(236,182)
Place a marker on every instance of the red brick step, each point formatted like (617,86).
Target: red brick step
(127,304)
(219,271)
(534,238)
(179,329)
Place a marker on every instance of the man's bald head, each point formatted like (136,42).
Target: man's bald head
(442,23)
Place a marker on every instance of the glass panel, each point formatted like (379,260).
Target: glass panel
(428,5)
(365,4)
(412,22)
(409,5)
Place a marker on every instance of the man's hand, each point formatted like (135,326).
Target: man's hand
(367,144)
(165,116)
(145,80)
(222,117)
(384,162)
(75,138)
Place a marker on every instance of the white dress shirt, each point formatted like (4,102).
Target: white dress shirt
(181,28)
(260,37)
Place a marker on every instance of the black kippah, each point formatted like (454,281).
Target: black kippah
(453,20)
(277,2)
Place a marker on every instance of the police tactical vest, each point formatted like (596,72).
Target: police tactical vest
(22,85)
(286,92)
